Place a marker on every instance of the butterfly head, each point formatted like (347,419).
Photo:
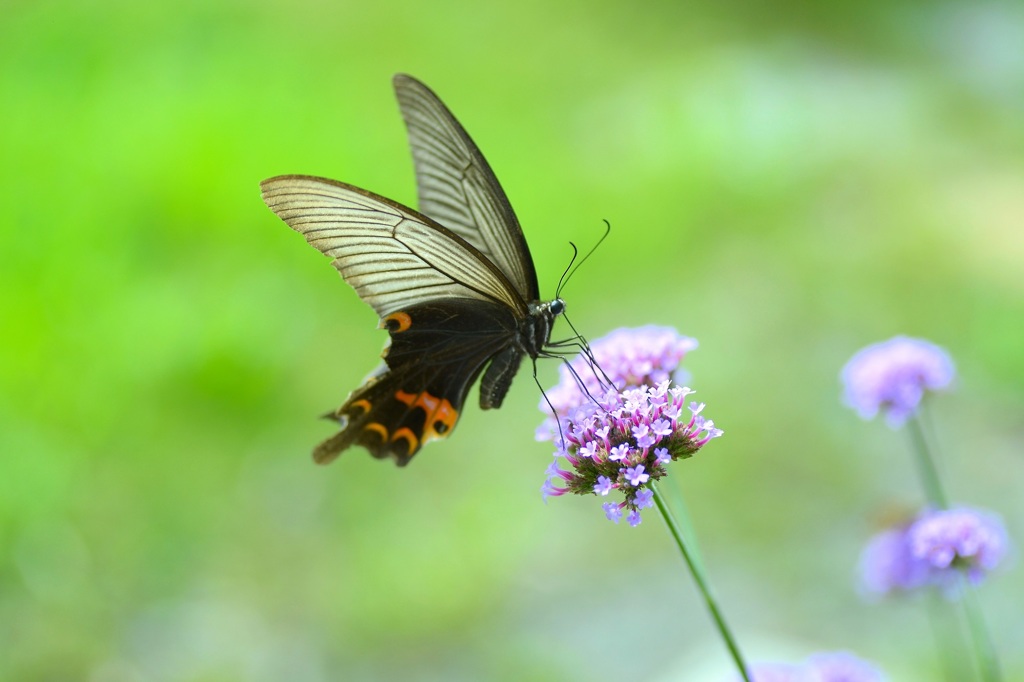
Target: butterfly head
(535,332)
(547,309)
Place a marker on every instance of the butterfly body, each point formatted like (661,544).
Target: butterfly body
(454,283)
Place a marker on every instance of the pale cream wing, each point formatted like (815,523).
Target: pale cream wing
(457,188)
(392,256)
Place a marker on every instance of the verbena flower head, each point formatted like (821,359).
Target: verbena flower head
(623,442)
(932,548)
(621,421)
(965,539)
(838,666)
(627,357)
(842,666)
(892,377)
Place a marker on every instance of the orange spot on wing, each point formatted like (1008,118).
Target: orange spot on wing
(362,404)
(428,402)
(440,415)
(442,420)
(409,436)
(407,398)
(396,322)
(379,429)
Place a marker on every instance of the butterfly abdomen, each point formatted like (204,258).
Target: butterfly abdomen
(498,378)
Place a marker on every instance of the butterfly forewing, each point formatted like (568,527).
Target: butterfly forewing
(457,188)
(392,256)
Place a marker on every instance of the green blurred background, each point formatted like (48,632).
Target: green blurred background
(786,182)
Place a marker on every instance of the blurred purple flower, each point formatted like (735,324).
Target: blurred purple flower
(887,565)
(963,538)
(628,356)
(603,451)
(842,666)
(776,672)
(839,666)
(932,548)
(892,377)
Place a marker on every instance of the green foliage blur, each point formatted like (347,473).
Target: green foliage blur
(785,182)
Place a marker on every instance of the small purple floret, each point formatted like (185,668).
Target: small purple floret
(636,476)
(661,428)
(549,490)
(619,452)
(612,511)
(644,499)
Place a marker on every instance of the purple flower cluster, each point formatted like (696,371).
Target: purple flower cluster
(838,666)
(932,548)
(892,377)
(624,442)
(626,357)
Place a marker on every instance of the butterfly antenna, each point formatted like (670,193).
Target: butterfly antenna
(575,252)
(566,277)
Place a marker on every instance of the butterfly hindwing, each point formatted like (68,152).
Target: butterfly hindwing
(435,354)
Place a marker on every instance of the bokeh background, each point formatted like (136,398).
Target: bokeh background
(786,182)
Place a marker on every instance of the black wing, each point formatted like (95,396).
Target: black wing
(457,188)
(436,353)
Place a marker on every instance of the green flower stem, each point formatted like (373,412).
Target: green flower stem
(702,585)
(926,464)
(677,508)
(949,638)
(984,651)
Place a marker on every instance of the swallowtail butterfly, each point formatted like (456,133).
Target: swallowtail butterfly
(453,283)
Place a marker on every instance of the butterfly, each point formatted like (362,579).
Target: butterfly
(453,283)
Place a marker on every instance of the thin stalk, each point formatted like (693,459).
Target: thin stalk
(702,585)
(984,651)
(949,638)
(926,469)
(677,507)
